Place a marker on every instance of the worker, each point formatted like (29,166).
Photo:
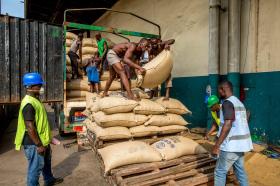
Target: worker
(124,52)
(34,133)
(74,57)
(234,137)
(102,51)
(157,46)
(213,104)
(92,70)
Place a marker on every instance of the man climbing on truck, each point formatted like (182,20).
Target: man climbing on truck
(124,52)
(74,57)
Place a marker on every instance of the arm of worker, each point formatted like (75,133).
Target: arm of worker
(166,44)
(128,58)
(229,117)
(105,50)
(29,118)
(213,129)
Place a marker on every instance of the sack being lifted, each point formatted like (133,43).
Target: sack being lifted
(157,71)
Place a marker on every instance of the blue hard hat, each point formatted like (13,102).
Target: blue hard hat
(32,78)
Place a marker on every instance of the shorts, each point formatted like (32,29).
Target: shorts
(112,57)
(168,82)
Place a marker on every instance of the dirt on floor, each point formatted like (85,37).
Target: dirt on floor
(77,168)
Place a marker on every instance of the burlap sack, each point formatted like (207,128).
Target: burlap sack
(89,50)
(170,129)
(71,36)
(75,93)
(177,146)
(85,60)
(68,69)
(126,153)
(68,42)
(148,107)
(173,106)
(164,120)
(68,61)
(140,131)
(105,76)
(114,86)
(92,102)
(110,133)
(113,105)
(77,84)
(67,49)
(121,119)
(89,42)
(140,93)
(157,70)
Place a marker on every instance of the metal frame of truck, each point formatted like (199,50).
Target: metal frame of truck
(66,126)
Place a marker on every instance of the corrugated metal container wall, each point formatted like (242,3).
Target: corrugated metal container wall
(30,46)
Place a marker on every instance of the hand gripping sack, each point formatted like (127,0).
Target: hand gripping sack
(177,146)
(168,119)
(173,106)
(120,119)
(126,153)
(148,107)
(157,70)
(113,105)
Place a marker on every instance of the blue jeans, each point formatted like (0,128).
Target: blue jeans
(38,164)
(224,163)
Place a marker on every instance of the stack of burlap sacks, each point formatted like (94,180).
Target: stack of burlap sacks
(89,47)
(114,118)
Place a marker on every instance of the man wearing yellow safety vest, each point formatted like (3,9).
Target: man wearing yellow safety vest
(34,133)
(213,104)
(234,137)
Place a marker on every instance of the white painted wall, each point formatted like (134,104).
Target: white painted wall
(187,22)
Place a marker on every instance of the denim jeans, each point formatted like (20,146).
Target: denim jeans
(38,164)
(224,163)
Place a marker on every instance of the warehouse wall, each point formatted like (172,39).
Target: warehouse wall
(187,22)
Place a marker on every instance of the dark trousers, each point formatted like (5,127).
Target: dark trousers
(74,63)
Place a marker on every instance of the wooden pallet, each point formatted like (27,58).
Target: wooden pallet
(98,143)
(194,170)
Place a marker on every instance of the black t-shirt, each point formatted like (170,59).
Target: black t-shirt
(228,110)
(28,113)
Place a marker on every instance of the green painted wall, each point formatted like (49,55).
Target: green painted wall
(262,99)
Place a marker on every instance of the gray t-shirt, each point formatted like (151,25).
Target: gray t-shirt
(75,45)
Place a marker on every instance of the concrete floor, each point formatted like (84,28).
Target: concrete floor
(77,168)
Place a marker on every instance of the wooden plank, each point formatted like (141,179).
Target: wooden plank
(34,37)
(175,177)
(50,64)
(4,60)
(14,60)
(143,167)
(43,55)
(24,52)
(57,34)
(167,171)
(197,180)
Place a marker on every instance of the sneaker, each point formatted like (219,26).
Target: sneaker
(54,182)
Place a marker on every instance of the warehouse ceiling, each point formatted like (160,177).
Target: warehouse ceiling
(52,10)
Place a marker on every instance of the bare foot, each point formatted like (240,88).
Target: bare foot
(104,95)
(133,98)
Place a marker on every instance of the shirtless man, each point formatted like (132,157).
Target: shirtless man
(124,52)
(157,46)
